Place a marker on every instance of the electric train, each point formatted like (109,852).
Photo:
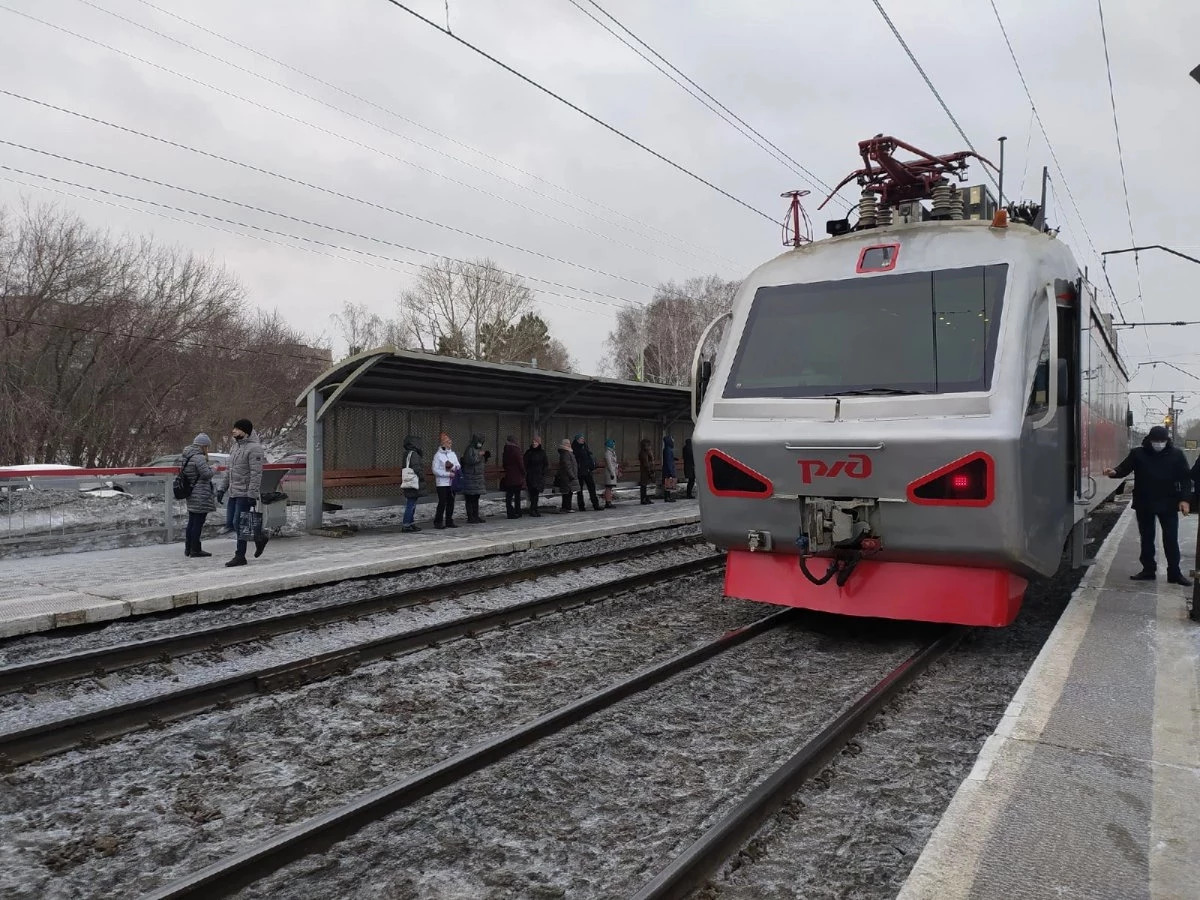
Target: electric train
(909,419)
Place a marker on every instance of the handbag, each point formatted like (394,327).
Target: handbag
(408,478)
(250,526)
(456,483)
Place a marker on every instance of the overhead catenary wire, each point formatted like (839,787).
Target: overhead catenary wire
(929,83)
(583,112)
(322,130)
(297,181)
(307,240)
(700,94)
(592,215)
(298,219)
(592,204)
(1112,97)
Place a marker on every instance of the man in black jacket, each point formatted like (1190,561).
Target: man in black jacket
(1161,490)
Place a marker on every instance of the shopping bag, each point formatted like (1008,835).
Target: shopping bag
(408,478)
(250,526)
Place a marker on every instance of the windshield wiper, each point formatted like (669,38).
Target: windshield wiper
(876,392)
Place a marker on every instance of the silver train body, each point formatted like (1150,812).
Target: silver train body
(919,414)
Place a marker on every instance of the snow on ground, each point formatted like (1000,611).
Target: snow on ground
(123,818)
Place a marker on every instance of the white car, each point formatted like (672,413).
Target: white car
(51,482)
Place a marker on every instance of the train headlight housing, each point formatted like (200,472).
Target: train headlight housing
(968,481)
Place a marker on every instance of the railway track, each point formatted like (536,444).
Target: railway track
(678,878)
(321,832)
(88,729)
(105,660)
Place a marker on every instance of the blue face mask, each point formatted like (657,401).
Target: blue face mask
(1158,446)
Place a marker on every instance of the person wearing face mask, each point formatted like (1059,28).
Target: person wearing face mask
(1161,490)
(244,482)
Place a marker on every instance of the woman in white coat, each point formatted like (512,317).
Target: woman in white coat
(445,467)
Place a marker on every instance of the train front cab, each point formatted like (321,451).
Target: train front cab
(1057,431)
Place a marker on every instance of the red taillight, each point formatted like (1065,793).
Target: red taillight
(969,481)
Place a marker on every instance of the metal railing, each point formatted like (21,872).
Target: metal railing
(24,518)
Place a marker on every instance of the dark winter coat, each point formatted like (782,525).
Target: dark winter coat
(199,475)
(689,461)
(1160,480)
(646,462)
(536,465)
(413,459)
(1196,485)
(585,462)
(568,472)
(668,458)
(514,466)
(244,478)
(473,461)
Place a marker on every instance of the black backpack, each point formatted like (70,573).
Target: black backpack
(181,487)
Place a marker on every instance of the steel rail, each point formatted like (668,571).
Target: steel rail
(101,661)
(323,831)
(689,870)
(87,729)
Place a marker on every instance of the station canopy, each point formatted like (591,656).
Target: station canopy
(415,380)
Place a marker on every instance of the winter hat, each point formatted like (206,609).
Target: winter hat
(511,439)
(443,438)
(244,425)
(565,444)
(537,439)
(1159,433)
(579,438)
(611,444)
(202,440)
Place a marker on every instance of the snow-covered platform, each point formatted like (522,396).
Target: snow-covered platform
(43,593)
(1090,786)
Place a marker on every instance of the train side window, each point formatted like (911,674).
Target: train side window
(1039,394)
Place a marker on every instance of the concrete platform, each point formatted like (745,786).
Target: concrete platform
(44,593)
(1090,786)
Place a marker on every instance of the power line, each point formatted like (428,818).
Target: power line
(704,97)
(1120,153)
(322,130)
(345,112)
(330,191)
(912,56)
(1058,166)
(582,112)
(291,218)
(591,203)
(302,238)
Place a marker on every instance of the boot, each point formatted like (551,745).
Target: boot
(239,559)
(1177,577)
(198,550)
(187,548)
(1144,575)
(260,544)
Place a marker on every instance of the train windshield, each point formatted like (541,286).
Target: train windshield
(922,332)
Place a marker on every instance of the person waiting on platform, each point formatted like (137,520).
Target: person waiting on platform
(567,478)
(445,467)
(202,500)
(1161,490)
(612,470)
(245,483)
(646,465)
(689,467)
(585,464)
(668,469)
(514,476)
(474,461)
(412,460)
(537,463)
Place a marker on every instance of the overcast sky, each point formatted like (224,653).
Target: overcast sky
(513,166)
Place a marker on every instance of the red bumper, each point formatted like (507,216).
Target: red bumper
(910,591)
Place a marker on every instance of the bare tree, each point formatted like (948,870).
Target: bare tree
(475,310)
(657,342)
(362,329)
(116,348)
